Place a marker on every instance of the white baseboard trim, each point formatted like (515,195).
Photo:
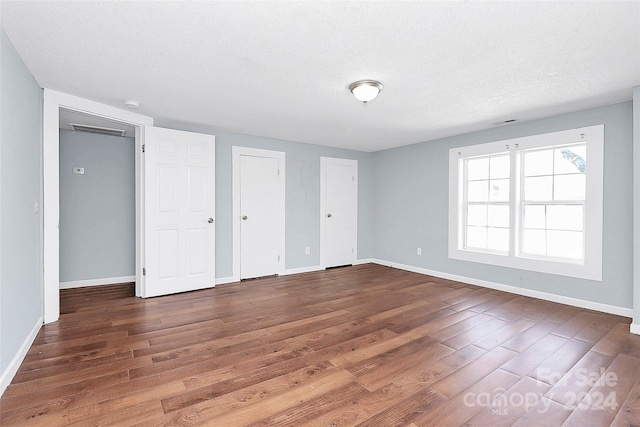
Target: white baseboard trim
(287,272)
(576,302)
(13,366)
(635,328)
(366,261)
(97,282)
(299,270)
(224,280)
(319,267)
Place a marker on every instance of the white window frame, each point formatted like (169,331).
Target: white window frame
(591,267)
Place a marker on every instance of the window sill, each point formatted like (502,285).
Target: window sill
(587,270)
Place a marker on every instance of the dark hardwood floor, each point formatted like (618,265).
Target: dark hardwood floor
(365,345)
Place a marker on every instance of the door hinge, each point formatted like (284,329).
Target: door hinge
(278,172)
(144,271)
(143,148)
(278,257)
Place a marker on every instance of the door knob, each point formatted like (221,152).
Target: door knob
(244,217)
(328,215)
(210,220)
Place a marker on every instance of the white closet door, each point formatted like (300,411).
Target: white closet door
(179,188)
(261,209)
(339,216)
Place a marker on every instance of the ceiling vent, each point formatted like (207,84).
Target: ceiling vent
(98,129)
(504,122)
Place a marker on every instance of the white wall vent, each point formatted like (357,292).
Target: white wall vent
(97,129)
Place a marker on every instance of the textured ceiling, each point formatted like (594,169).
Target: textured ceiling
(281,69)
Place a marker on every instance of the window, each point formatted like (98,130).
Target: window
(553,200)
(487,203)
(530,203)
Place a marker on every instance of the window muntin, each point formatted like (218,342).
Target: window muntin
(546,216)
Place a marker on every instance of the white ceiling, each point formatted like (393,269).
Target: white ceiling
(281,69)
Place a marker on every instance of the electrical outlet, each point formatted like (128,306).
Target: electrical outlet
(419,251)
(307,250)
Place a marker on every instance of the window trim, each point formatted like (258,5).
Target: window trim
(591,268)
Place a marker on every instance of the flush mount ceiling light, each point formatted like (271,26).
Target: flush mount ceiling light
(365,90)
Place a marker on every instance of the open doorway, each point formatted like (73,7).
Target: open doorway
(53,102)
(97,201)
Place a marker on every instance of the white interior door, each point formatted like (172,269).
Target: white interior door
(258,212)
(339,211)
(261,207)
(179,229)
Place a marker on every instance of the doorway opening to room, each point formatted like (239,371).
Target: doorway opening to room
(97,199)
(174,194)
(54,102)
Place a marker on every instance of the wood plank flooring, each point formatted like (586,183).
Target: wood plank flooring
(356,346)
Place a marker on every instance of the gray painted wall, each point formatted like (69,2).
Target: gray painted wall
(20,185)
(636,207)
(302,196)
(412,192)
(97,209)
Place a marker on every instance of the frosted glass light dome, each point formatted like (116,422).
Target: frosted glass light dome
(365,90)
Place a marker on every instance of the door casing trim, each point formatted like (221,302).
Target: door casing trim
(53,101)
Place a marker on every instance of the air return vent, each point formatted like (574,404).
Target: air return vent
(97,129)
(504,122)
